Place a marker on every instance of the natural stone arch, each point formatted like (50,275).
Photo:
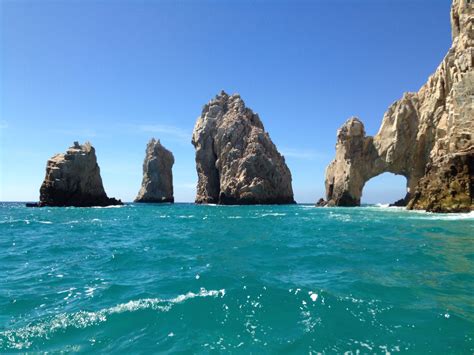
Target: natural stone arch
(359,158)
(425,136)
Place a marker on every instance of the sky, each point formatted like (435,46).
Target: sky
(117,73)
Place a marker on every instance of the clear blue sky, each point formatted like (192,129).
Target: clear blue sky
(119,72)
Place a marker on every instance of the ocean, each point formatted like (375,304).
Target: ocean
(147,278)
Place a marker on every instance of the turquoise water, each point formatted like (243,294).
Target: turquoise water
(261,279)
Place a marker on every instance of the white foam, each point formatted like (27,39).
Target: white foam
(420,214)
(447,217)
(90,291)
(21,338)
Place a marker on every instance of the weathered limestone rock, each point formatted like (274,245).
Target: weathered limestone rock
(236,161)
(448,185)
(157,184)
(425,136)
(73,179)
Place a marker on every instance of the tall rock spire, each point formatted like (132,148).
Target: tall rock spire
(236,161)
(157,184)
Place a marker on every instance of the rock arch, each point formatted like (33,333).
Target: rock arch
(425,136)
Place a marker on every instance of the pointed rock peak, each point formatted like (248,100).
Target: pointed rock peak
(154,142)
(157,183)
(82,148)
(236,161)
(223,98)
(352,127)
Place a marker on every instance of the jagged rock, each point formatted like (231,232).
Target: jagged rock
(403,202)
(448,185)
(419,136)
(157,184)
(321,202)
(236,161)
(73,179)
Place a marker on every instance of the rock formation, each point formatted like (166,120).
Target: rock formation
(73,179)
(425,136)
(157,184)
(236,161)
(321,202)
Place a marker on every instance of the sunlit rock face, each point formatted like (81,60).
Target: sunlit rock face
(157,183)
(236,161)
(73,179)
(425,136)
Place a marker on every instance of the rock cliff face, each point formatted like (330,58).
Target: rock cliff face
(425,136)
(73,179)
(157,184)
(236,161)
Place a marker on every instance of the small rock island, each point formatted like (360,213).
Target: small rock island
(236,161)
(157,184)
(73,179)
(425,136)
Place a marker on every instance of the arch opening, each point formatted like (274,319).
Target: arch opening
(386,188)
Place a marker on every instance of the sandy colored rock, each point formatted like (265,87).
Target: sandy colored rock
(422,135)
(73,179)
(236,161)
(157,184)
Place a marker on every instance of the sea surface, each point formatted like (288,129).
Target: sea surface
(238,279)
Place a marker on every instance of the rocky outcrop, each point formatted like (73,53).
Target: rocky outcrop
(448,185)
(157,184)
(321,202)
(403,202)
(425,136)
(236,161)
(73,179)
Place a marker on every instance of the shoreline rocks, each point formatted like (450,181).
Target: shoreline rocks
(403,202)
(157,183)
(73,179)
(236,161)
(321,203)
(425,136)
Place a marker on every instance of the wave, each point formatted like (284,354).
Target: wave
(442,216)
(421,214)
(26,221)
(22,338)
(274,214)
